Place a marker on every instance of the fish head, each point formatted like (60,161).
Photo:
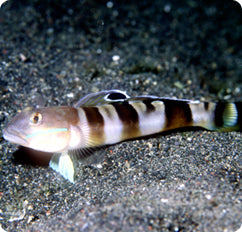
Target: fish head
(45,129)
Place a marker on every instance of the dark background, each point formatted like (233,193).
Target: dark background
(55,52)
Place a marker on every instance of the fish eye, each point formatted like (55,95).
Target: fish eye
(36,118)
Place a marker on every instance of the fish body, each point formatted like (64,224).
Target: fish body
(109,117)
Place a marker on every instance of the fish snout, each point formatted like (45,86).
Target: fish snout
(14,136)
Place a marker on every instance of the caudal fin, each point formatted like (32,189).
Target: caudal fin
(228,116)
(221,116)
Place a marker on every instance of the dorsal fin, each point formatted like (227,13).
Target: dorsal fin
(101,98)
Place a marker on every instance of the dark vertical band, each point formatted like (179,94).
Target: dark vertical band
(149,107)
(239,110)
(96,123)
(178,114)
(206,106)
(218,114)
(130,119)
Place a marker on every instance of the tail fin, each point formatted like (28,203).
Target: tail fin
(227,116)
(221,116)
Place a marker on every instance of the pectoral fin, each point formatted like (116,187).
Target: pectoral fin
(65,163)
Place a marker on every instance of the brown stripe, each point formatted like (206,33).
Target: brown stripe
(218,114)
(96,124)
(108,110)
(206,106)
(149,107)
(239,109)
(178,114)
(130,119)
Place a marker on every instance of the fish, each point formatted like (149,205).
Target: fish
(109,117)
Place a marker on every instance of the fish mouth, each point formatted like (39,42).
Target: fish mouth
(14,136)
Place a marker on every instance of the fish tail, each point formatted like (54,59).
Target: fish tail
(221,116)
(228,116)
